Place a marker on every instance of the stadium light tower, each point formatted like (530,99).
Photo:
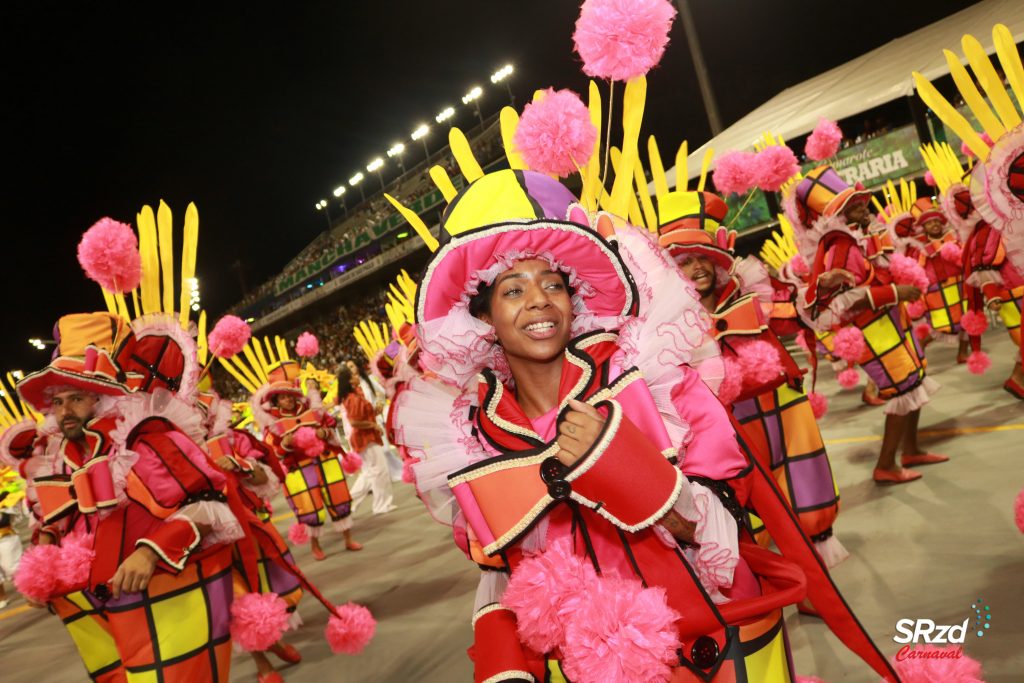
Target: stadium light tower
(355,181)
(421,134)
(501,76)
(339,192)
(374,167)
(474,96)
(323,206)
(396,153)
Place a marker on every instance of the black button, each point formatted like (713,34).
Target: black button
(559,489)
(72,492)
(102,592)
(704,652)
(721,325)
(551,469)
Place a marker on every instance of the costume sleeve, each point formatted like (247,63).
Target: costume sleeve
(358,409)
(177,476)
(497,653)
(712,450)
(881,296)
(618,467)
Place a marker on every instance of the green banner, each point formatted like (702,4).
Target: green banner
(755,212)
(887,157)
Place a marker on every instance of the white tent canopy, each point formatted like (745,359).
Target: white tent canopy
(877,77)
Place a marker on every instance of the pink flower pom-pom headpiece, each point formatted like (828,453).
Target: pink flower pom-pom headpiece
(555,134)
(824,141)
(307,345)
(258,620)
(775,164)
(622,39)
(735,172)
(228,337)
(621,632)
(308,442)
(351,630)
(849,344)
(109,255)
(925,664)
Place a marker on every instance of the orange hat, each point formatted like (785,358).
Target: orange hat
(690,223)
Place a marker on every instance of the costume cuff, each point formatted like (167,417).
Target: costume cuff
(173,541)
(497,653)
(882,296)
(992,291)
(624,477)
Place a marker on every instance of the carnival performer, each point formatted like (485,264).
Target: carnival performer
(12,509)
(134,542)
(764,385)
(851,288)
(547,422)
(987,207)
(364,436)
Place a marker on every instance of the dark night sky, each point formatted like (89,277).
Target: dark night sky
(256,113)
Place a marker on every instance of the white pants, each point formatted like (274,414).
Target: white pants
(374,478)
(10,556)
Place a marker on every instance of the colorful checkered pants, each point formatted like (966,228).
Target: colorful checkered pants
(946,305)
(780,429)
(318,490)
(1010,312)
(893,357)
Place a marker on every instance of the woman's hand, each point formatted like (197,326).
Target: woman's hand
(578,431)
(134,573)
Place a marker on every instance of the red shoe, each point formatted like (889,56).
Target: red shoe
(1015,389)
(286,653)
(871,400)
(353,546)
(889,477)
(922,459)
(272,677)
(318,553)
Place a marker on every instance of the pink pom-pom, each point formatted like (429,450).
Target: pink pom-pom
(75,563)
(929,179)
(819,404)
(930,664)
(775,164)
(974,323)
(907,271)
(258,620)
(849,378)
(408,474)
(622,39)
(307,345)
(298,534)
(824,141)
(308,442)
(555,134)
(109,255)
(978,362)
(544,590)
(799,265)
(36,577)
(759,360)
(735,172)
(351,630)
(922,330)
(952,252)
(621,632)
(849,344)
(1018,511)
(351,462)
(732,383)
(915,309)
(228,337)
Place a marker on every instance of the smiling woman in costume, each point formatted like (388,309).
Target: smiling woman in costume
(558,398)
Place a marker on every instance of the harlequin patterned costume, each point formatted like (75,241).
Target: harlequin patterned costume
(140,479)
(315,486)
(489,471)
(988,210)
(893,355)
(775,417)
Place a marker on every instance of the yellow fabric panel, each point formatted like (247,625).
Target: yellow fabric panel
(881,335)
(769,664)
(332,471)
(497,197)
(181,623)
